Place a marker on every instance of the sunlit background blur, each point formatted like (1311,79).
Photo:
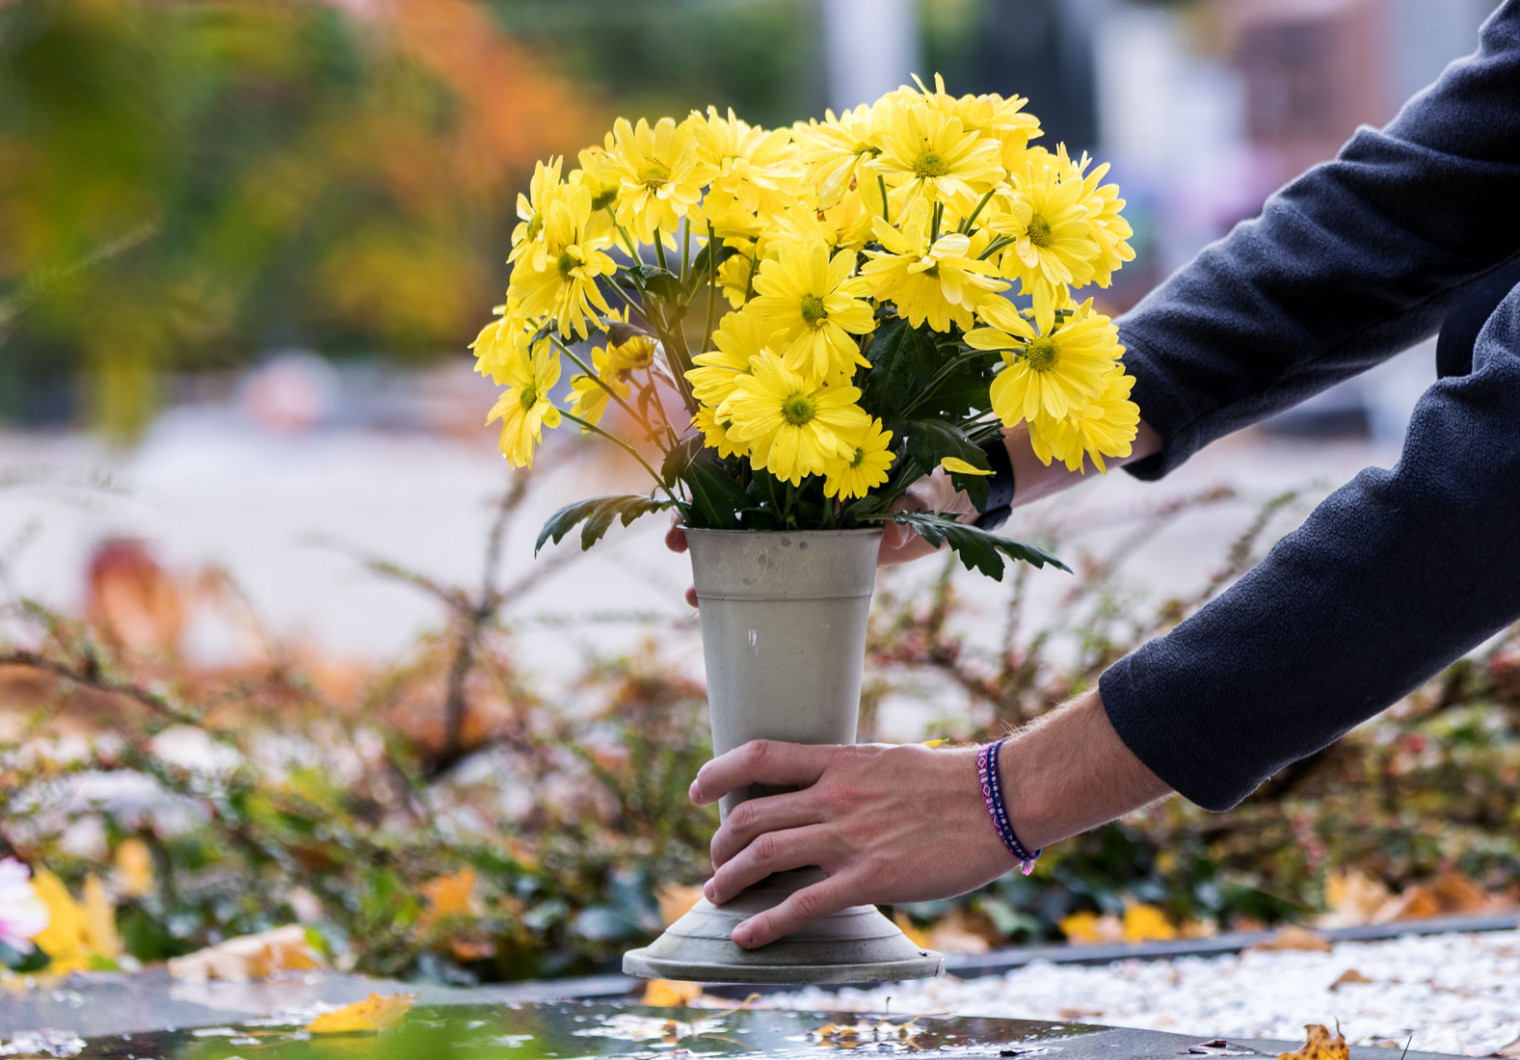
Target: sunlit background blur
(245,243)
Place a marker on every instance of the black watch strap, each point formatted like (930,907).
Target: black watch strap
(999,486)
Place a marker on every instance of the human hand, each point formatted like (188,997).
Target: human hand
(885,823)
(933,493)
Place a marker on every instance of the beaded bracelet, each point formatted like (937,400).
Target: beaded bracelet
(992,796)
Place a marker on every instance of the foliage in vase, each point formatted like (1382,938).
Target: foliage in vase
(838,308)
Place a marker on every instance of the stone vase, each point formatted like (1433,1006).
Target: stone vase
(783,637)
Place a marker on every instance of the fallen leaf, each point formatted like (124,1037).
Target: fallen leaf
(1415,902)
(1146,923)
(452,895)
(1319,1046)
(1354,899)
(1456,893)
(1350,975)
(1510,1051)
(670,993)
(370,1016)
(1079,1013)
(1294,937)
(249,957)
(134,868)
(1087,928)
(676,900)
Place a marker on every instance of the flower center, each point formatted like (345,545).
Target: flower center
(567,262)
(529,397)
(813,311)
(1039,231)
(653,176)
(798,409)
(859,458)
(535,226)
(930,164)
(1041,355)
(604,199)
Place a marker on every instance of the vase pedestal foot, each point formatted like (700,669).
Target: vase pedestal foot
(855,945)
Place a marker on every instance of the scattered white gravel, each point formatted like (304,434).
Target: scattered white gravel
(1452,993)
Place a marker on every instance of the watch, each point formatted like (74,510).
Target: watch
(999,486)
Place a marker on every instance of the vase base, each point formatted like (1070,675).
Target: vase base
(855,945)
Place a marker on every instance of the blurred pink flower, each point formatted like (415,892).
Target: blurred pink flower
(23,916)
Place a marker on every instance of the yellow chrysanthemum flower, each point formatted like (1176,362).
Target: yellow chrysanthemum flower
(1104,427)
(499,342)
(1051,373)
(738,339)
(817,306)
(715,433)
(1053,243)
(524,407)
(660,172)
(933,157)
(757,168)
(734,278)
(938,280)
(591,394)
(844,225)
(565,286)
(864,469)
(1109,228)
(1003,119)
(531,210)
(835,151)
(794,426)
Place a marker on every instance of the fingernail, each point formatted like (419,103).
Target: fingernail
(708,890)
(694,794)
(743,935)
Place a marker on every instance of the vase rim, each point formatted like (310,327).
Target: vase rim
(859,530)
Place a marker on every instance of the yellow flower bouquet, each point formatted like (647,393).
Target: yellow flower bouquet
(838,308)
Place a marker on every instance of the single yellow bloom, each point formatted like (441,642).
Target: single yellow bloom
(660,173)
(532,209)
(524,407)
(836,150)
(816,305)
(715,433)
(1051,374)
(734,278)
(939,280)
(500,343)
(1104,213)
(1053,243)
(934,157)
(591,394)
(961,467)
(864,469)
(794,426)
(739,338)
(758,168)
(1104,427)
(565,288)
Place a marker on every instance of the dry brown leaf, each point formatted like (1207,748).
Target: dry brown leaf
(1294,937)
(249,957)
(676,900)
(1350,975)
(670,993)
(1415,902)
(1457,894)
(1354,899)
(1080,1013)
(370,1016)
(1319,1046)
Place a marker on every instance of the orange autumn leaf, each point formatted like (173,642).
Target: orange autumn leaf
(452,895)
(670,993)
(1319,1046)
(370,1016)
(915,936)
(1293,937)
(1146,923)
(1350,975)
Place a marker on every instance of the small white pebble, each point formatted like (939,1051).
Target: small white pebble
(1452,993)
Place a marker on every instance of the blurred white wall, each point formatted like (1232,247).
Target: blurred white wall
(871,48)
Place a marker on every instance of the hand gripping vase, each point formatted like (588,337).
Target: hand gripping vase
(783,636)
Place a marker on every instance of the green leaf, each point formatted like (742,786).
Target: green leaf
(977,549)
(927,442)
(662,284)
(902,362)
(699,264)
(716,497)
(598,514)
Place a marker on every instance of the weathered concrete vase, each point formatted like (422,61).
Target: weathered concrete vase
(783,634)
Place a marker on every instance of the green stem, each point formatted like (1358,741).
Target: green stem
(568,352)
(633,248)
(936,221)
(712,290)
(968,222)
(881,182)
(945,373)
(659,250)
(685,249)
(630,450)
(996,245)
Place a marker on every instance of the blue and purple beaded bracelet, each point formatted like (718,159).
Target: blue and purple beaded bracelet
(992,795)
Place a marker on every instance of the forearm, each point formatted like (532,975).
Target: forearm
(1069,772)
(1034,480)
